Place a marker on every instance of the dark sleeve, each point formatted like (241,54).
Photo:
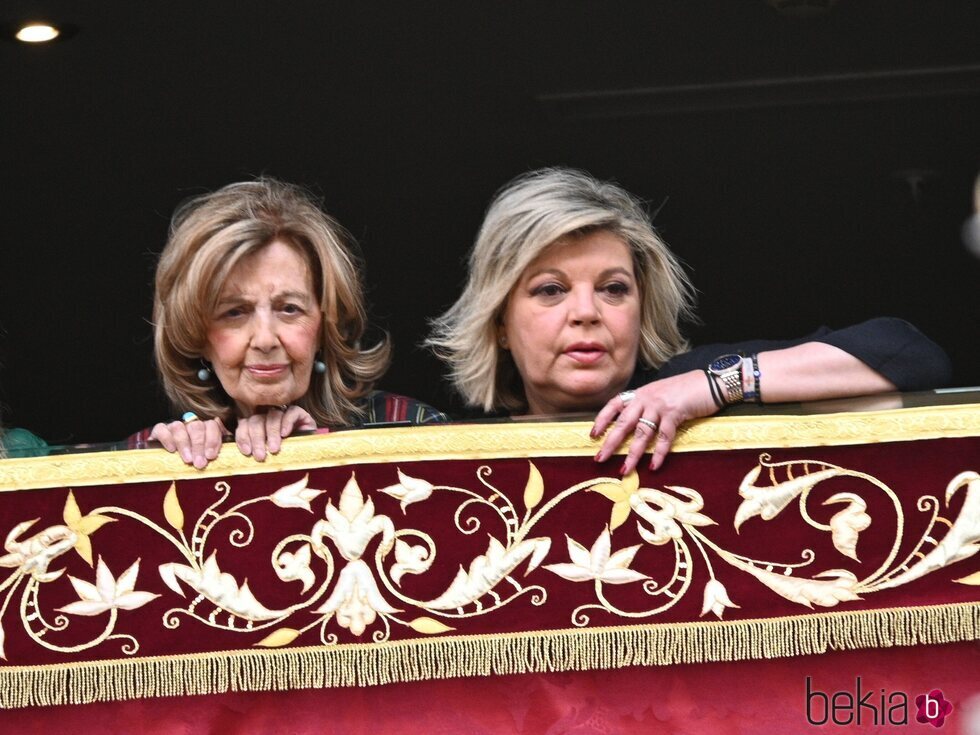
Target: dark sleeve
(891,347)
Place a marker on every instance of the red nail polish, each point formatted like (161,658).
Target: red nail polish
(622,470)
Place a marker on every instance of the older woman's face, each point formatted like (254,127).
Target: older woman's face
(263,336)
(572,323)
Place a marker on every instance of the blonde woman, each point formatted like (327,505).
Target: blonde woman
(258,319)
(574,304)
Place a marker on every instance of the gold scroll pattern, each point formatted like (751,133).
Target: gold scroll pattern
(337,580)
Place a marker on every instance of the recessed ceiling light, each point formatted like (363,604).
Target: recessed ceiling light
(37,33)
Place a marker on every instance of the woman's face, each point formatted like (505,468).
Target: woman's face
(572,323)
(263,335)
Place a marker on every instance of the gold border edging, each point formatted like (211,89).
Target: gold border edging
(485,655)
(492,441)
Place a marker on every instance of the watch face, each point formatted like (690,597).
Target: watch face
(725,362)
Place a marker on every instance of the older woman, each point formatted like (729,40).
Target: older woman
(573,303)
(258,321)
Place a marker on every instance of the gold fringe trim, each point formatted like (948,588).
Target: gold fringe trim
(492,441)
(520,653)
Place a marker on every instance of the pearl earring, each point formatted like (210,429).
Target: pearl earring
(204,374)
(319,366)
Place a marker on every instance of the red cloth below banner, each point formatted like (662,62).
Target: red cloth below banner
(718,699)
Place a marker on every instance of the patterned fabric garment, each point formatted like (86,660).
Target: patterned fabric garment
(387,408)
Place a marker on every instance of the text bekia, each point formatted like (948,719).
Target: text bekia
(858,707)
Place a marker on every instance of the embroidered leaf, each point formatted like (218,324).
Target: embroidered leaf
(620,512)
(71,512)
(171,508)
(409,560)
(487,570)
(631,482)
(961,541)
(542,545)
(847,524)
(279,638)
(169,577)
(620,494)
(768,501)
(972,579)
(83,545)
(612,491)
(91,523)
(825,589)
(428,626)
(292,567)
(534,490)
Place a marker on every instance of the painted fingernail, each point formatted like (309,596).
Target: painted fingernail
(598,457)
(622,470)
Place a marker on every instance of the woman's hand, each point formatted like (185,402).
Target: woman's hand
(261,434)
(198,442)
(663,406)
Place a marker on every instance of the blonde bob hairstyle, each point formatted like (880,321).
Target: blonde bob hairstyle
(209,236)
(525,217)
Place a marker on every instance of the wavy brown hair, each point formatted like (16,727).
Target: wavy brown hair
(209,235)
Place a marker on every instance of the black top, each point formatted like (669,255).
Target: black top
(891,347)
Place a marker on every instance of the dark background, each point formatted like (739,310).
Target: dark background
(815,171)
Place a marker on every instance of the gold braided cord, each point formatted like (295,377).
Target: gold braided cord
(485,655)
(491,441)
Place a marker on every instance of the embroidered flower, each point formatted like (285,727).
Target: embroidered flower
(356,599)
(409,490)
(107,593)
(597,563)
(715,598)
(352,525)
(666,513)
(296,495)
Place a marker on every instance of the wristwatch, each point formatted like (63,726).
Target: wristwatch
(727,370)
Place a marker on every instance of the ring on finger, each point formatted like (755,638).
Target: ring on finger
(626,396)
(189,417)
(647,422)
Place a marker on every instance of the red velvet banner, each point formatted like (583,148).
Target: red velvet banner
(336,567)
